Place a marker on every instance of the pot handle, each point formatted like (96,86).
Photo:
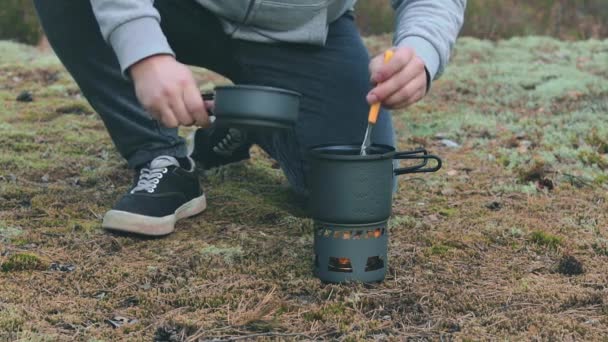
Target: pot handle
(209,96)
(419,153)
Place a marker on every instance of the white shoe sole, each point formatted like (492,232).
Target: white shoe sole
(124,221)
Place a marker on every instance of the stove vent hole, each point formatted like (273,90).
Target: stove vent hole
(340,265)
(374,263)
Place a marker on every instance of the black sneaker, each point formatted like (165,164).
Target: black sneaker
(218,146)
(164,191)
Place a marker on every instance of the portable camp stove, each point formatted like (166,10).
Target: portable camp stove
(350,252)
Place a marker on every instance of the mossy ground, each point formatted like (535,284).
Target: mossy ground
(477,250)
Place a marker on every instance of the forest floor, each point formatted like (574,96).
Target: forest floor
(508,241)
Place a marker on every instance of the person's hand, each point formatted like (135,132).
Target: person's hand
(399,83)
(168,91)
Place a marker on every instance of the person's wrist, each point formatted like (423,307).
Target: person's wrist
(143,65)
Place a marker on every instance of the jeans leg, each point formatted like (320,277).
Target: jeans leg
(79,45)
(333,80)
(194,34)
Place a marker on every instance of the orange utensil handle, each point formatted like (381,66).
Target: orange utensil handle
(375,109)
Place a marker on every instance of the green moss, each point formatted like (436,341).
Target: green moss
(535,170)
(447,212)
(23,262)
(8,231)
(593,158)
(402,221)
(229,254)
(332,312)
(14,54)
(10,321)
(19,242)
(601,179)
(597,140)
(311,316)
(516,232)
(545,239)
(439,249)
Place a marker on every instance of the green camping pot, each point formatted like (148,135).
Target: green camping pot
(350,201)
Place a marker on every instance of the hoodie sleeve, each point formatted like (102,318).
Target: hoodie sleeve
(430,27)
(132,29)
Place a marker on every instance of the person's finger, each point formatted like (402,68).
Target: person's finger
(391,86)
(417,97)
(414,69)
(209,105)
(196,106)
(156,114)
(168,118)
(179,109)
(385,71)
(408,91)
(374,67)
(410,101)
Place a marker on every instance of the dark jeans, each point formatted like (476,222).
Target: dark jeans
(333,80)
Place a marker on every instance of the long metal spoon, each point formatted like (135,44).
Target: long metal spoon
(372,117)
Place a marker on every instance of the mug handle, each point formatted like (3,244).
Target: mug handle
(419,153)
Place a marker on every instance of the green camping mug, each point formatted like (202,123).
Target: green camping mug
(348,188)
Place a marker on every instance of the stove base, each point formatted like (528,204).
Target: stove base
(351,252)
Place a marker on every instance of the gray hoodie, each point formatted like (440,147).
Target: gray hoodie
(430,27)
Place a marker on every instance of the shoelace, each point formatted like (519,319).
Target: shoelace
(232,141)
(149,179)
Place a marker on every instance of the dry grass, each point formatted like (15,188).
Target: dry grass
(508,241)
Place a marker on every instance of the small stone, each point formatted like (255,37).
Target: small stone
(592,321)
(167,334)
(130,301)
(494,206)
(25,96)
(379,337)
(545,183)
(520,135)
(448,192)
(119,321)
(45,178)
(101,295)
(452,173)
(62,267)
(449,143)
(433,218)
(569,265)
(524,146)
